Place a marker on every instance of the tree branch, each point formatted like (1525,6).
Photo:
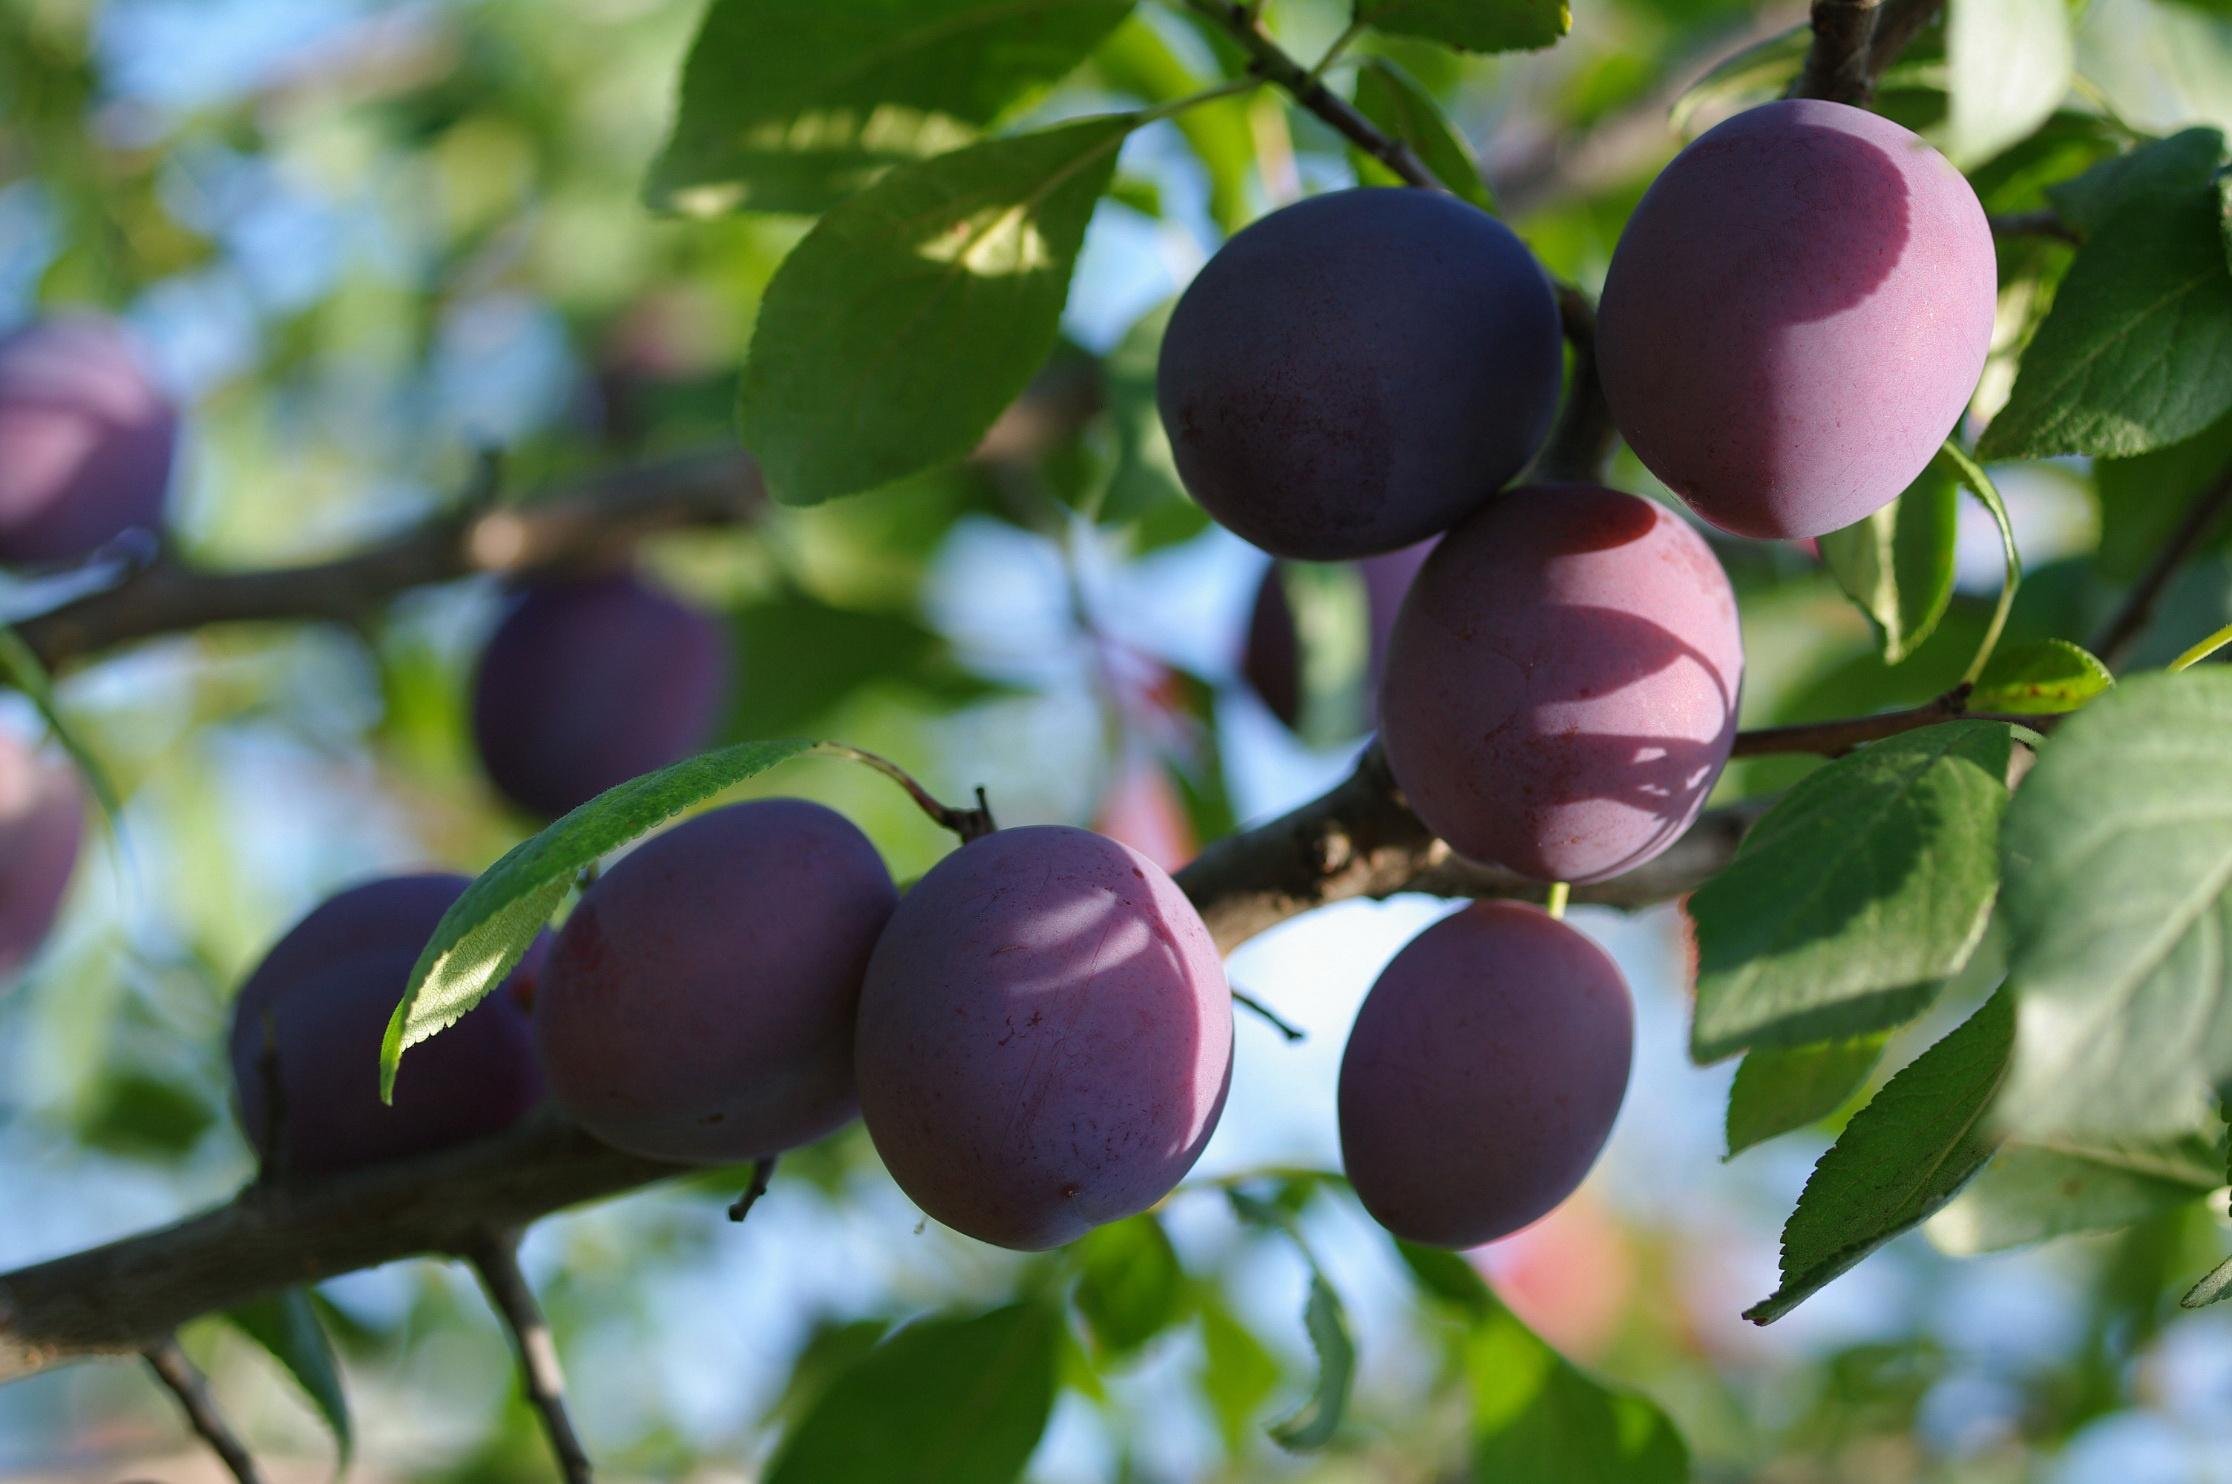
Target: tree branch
(1837,63)
(495,1256)
(2124,627)
(579,521)
(185,1381)
(1895,29)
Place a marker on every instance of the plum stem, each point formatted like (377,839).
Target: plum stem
(969,824)
(1837,64)
(1271,1017)
(1555,903)
(762,1171)
(185,1381)
(494,1255)
(1582,439)
(2203,650)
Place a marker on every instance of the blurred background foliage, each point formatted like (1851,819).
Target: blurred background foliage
(366,240)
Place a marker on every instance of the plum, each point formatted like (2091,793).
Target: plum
(1562,682)
(1795,317)
(42,829)
(307,1025)
(1273,661)
(1045,1037)
(86,441)
(699,1002)
(588,682)
(1354,372)
(1483,1075)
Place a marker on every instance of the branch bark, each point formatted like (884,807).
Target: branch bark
(1837,63)
(185,1381)
(496,1258)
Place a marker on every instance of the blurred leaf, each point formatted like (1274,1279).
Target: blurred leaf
(1238,1374)
(1472,25)
(20,667)
(486,930)
(2029,1192)
(2040,678)
(792,105)
(1312,1425)
(1129,1287)
(287,1325)
(1447,1278)
(916,311)
(1393,99)
(1137,60)
(2144,499)
(1855,896)
(944,1401)
(2009,64)
(1897,564)
(1537,1416)
(803,659)
(1143,492)
(2136,353)
(835,1347)
(2118,899)
(1754,75)
(1330,607)
(1780,1089)
(134,1112)
(1901,1158)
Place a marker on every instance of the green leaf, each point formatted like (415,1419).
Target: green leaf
(1130,1287)
(481,937)
(2118,899)
(1331,610)
(913,313)
(2030,1192)
(946,1400)
(20,667)
(1897,564)
(2161,170)
(2043,677)
(286,1324)
(1538,1417)
(1472,25)
(1448,1279)
(1394,100)
(1780,1089)
(2143,500)
(2008,66)
(1901,1158)
(2136,353)
(792,105)
(1858,893)
(802,659)
(2216,1284)
(1755,74)
(1312,1425)
(1238,1374)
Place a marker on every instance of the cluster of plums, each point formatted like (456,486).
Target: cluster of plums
(1793,321)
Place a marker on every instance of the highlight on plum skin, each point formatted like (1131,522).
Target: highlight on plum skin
(307,1024)
(699,1003)
(1796,316)
(588,682)
(87,440)
(1273,659)
(1483,1075)
(1354,372)
(1045,1037)
(1562,684)
(42,832)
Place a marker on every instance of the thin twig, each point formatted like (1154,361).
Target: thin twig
(495,1257)
(969,824)
(762,1171)
(186,1382)
(1582,439)
(1270,1017)
(2116,637)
